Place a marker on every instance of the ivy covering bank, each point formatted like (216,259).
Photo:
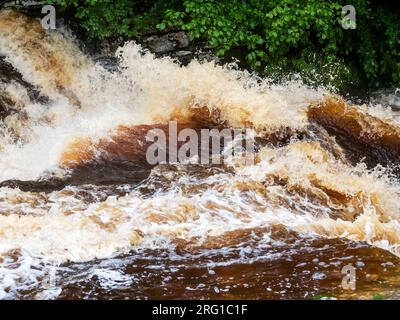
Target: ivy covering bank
(275,37)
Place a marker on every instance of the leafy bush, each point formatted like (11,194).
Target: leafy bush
(101,18)
(287,34)
(272,36)
(374,47)
(267,29)
(109,18)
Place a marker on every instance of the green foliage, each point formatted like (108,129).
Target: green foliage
(304,37)
(375,45)
(101,18)
(286,35)
(108,18)
(378,296)
(268,29)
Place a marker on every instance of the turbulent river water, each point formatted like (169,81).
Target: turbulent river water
(83,215)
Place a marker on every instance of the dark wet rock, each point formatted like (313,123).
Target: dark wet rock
(184,56)
(206,56)
(114,173)
(171,43)
(108,63)
(8,74)
(107,175)
(6,105)
(101,49)
(166,43)
(34,186)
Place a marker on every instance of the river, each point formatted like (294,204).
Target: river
(84,215)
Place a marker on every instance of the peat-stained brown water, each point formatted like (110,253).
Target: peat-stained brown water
(300,269)
(84,215)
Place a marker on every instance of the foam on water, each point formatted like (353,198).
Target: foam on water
(300,186)
(87,101)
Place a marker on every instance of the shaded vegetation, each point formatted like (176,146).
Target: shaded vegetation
(378,296)
(275,37)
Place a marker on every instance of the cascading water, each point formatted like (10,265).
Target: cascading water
(78,198)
